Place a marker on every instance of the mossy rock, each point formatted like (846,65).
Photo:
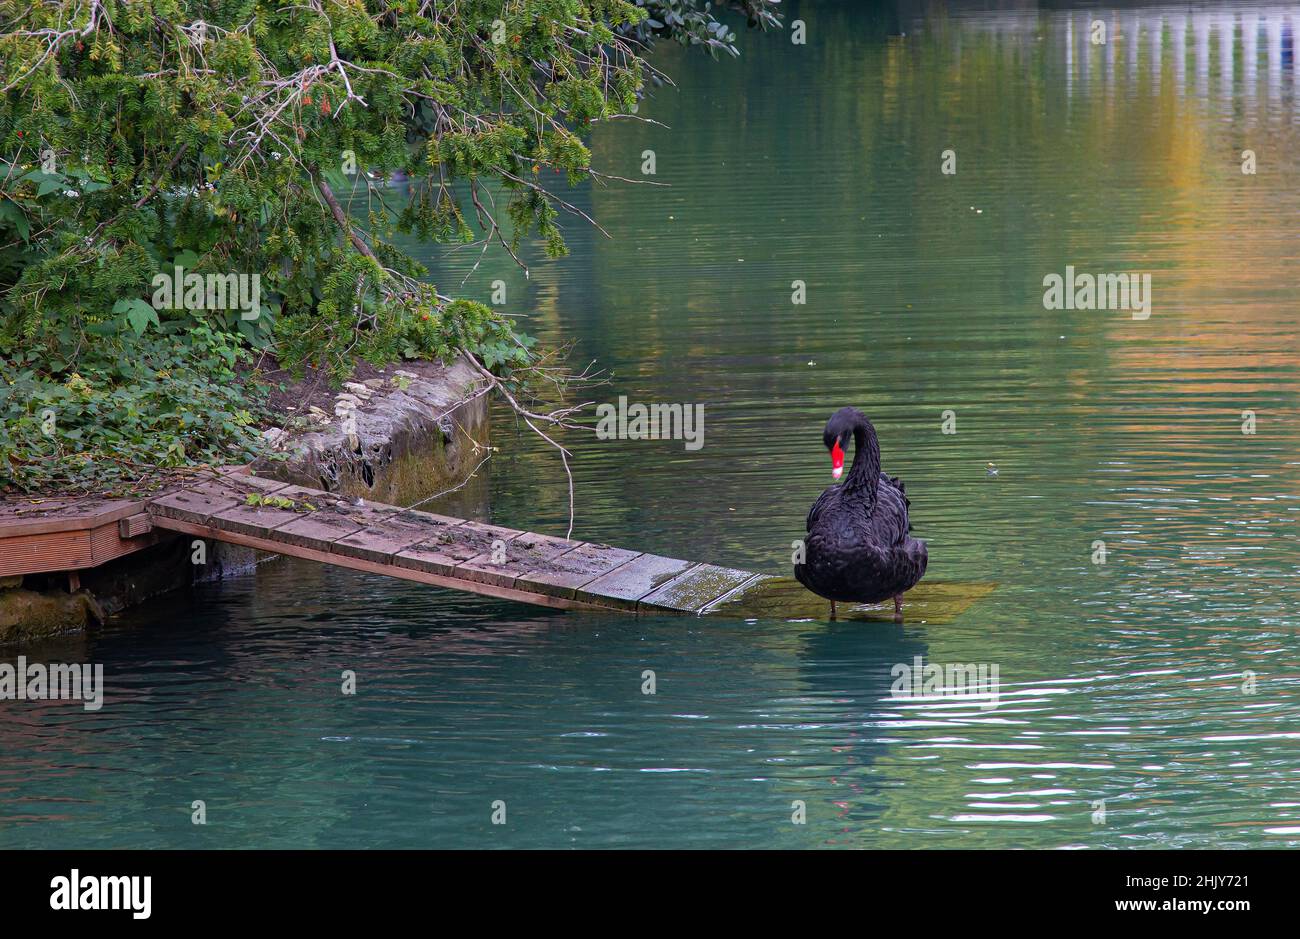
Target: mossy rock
(29,614)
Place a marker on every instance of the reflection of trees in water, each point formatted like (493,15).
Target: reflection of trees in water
(821,162)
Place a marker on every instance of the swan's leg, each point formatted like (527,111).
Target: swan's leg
(898,607)
(832,609)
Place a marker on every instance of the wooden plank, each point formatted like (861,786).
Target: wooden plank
(46,551)
(377,515)
(30,517)
(382,541)
(261,519)
(420,546)
(628,583)
(190,505)
(563,575)
(201,500)
(133,526)
(493,532)
(443,554)
(373,567)
(522,554)
(107,542)
(746,586)
(317,530)
(236,485)
(694,590)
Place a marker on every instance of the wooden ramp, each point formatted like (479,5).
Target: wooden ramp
(439,550)
(420,546)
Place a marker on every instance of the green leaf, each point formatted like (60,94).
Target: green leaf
(138,313)
(15,217)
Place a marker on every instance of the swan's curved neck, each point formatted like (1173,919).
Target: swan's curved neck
(864,474)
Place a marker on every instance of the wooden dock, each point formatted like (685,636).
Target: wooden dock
(231,506)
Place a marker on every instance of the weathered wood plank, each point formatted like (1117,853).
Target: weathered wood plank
(317,530)
(563,575)
(446,552)
(377,514)
(37,516)
(522,554)
(238,484)
(388,536)
(133,526)
(627,584)
(32,516)
(190,505)
(202,499)
(374,567)
(46,551)
(107,543)
(694,590)
(262,519)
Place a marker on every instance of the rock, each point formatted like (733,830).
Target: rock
(275,436)
(361,391)
(28,614)
(419,434)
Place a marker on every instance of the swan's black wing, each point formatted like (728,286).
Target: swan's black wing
(888,523)
(902,491)
(828,496)
(859,551)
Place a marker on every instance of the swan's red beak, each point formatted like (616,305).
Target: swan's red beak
(837,460)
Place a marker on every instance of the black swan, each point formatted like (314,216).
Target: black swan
(858,549)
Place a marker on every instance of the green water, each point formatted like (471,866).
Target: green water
(1164,681)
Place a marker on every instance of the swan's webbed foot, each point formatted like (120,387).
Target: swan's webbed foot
(898,608)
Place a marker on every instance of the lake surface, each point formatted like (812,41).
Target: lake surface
(1164,681)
